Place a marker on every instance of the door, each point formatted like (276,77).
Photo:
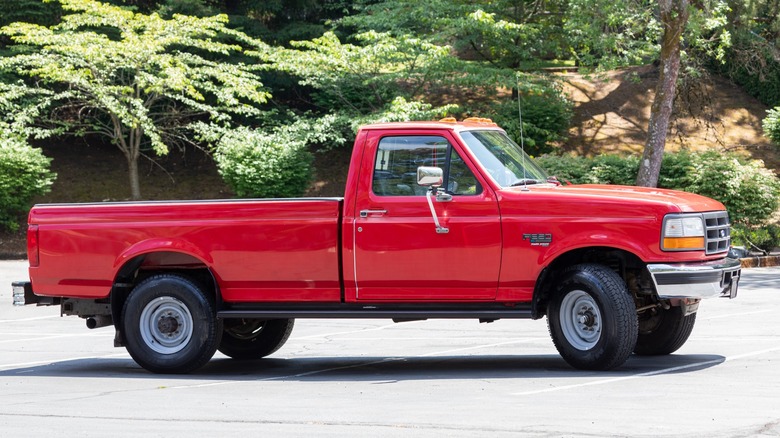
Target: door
(399,255)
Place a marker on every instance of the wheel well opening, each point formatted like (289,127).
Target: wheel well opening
(144,266)
(627,265)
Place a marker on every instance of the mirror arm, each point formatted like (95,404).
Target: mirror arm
(439,228)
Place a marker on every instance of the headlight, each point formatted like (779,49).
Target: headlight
(683,233)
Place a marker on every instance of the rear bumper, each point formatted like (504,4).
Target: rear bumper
(23,294)
(718,278)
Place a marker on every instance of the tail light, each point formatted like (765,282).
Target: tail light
(33,250)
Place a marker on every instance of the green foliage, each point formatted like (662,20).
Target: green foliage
(546,118)
(34,11)
(772,125)
(24,174)
(358,77)
(613,169)
(764,238)
(612,33)
(752,61)
(677,171)
(572,169)
(259,164)
(750,192)
(139,80)
(502,33)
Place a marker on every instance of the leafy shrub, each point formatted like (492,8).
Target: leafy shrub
(546,118)
(24,174)
(748,190)
(772,125)
(677,171)
(764,238)
(258,164)
(567,168)
(613,169)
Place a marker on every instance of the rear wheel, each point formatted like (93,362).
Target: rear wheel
(254,338)
(663,331)
(592,318)
(169,325)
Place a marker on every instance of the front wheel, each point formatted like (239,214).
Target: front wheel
(663,331)
(169,325)
(592,318)
(254,338)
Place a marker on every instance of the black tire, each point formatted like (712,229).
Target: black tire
(663,331)
(592,318)
(169,324)
(247,339)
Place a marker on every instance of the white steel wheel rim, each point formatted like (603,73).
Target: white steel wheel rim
(166,325)
(580,320)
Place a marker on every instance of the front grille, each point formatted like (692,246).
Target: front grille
(718,232)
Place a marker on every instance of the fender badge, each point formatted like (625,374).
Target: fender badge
(538,239)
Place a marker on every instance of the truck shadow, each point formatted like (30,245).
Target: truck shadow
(379,369)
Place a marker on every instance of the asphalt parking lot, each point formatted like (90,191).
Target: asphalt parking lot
(375,378)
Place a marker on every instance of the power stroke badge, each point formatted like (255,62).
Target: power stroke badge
(538,239)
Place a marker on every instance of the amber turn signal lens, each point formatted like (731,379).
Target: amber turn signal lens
(684,243)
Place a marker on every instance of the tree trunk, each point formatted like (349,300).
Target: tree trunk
(134,144)
(674,16)
(135,182)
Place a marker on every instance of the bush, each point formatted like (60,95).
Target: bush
(258,164)
(567,168)
(613,169)
(749,191)
(24,174)
(772,125)
(546,118)
(677,171)
(765,238)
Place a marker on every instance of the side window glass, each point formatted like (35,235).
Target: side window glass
(460,180)
(397,160)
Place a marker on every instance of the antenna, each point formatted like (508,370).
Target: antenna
(522,139)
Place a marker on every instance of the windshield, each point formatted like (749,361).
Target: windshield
(503,159)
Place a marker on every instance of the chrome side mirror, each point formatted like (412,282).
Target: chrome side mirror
(433,178)
(430,176)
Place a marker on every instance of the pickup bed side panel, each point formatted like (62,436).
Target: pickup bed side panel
(258,250)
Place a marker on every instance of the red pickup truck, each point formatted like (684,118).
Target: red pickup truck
(438,220)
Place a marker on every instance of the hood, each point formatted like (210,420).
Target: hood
(581,197)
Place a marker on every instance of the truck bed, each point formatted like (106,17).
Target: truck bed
(283,250)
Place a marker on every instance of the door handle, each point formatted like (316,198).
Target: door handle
(366,213)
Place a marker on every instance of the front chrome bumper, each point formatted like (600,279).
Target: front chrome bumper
(696,280)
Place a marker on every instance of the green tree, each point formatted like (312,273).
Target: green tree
(24,174)
(674,17)
(140,80)
(772,125)
(501,33)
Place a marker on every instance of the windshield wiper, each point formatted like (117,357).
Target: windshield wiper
(524,182)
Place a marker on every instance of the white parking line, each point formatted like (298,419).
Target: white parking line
(649,373)
(29,319)
(476,347)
